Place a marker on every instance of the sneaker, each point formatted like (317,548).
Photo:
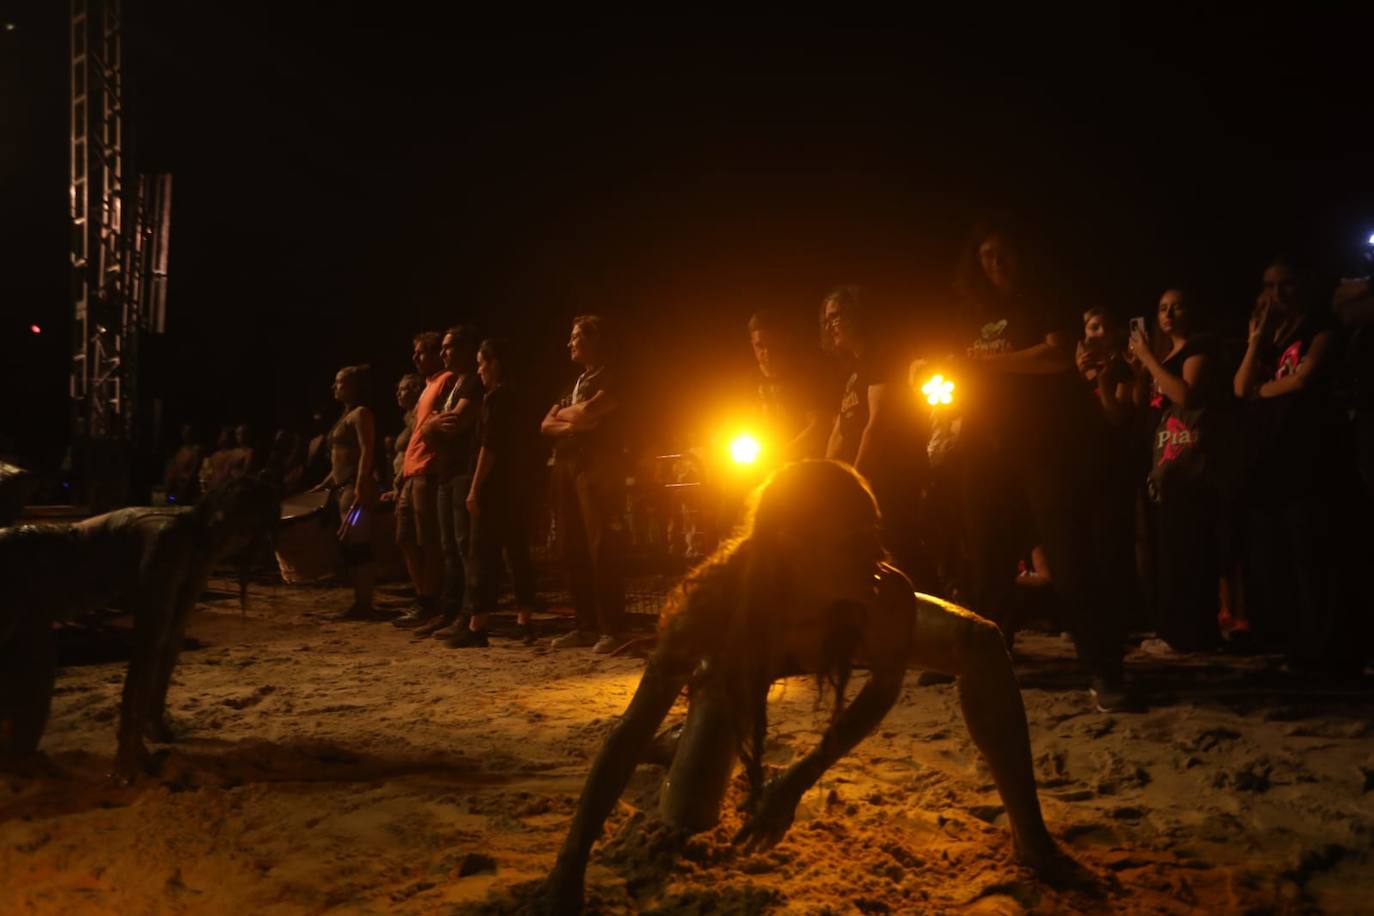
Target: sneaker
(1109,696)
(609,643)
(416,616)
(470,639)
(577,639)
(1158,648)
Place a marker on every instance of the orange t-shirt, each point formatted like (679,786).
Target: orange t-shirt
(419,453)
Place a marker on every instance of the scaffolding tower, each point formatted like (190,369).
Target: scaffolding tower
(119,272)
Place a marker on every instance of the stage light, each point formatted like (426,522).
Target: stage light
(745,449)
(938,390)
(35,329)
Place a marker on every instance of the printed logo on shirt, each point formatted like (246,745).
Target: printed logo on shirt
(1173,439)
(1290,360)
(850,402)
(992,339)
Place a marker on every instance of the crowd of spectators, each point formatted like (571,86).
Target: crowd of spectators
(1156,473)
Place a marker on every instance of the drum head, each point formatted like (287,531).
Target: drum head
(303,504)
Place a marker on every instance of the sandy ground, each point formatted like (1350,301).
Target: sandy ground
(348,768)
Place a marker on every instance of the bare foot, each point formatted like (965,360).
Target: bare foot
(1057,868)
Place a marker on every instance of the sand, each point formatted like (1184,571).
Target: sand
(349,768)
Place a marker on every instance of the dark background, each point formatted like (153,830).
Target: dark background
(344,178)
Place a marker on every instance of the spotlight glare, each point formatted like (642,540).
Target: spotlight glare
(938,390)
(745,449)
(35,329)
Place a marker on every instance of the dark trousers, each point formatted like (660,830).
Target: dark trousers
(1188,564)
(1048,492)
(500,527)
(589,499)
(455,528)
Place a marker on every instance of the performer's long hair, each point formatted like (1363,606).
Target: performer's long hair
(735,605)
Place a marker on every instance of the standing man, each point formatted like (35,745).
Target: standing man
(589,491)
(417,500)
(793,398)
(454,432)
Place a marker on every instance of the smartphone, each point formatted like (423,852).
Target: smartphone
(1138,324)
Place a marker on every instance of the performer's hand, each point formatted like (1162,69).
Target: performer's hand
(769,817)
(471,503)
(388,497)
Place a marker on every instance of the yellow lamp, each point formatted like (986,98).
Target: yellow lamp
(744,449)
(938,390)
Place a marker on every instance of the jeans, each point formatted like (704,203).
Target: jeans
(455,528)
(589,494)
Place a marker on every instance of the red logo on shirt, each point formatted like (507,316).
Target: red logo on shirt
(1173,439)
(1290,360)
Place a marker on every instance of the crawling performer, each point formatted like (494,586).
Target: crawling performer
(152,561)
(803,589)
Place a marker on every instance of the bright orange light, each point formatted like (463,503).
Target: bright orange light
(745,449)
(938,390)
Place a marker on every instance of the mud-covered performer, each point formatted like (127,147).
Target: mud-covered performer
(154,562)
(804,588)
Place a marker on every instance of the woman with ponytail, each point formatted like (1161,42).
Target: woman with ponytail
(804,588)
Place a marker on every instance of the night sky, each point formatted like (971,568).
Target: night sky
(345,179)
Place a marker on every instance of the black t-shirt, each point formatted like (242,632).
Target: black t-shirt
(879,365)
(1213,386)
(500,433)
(1006,407)
(461,452)
(607,438)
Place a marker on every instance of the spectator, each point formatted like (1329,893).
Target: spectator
(455,438)
(216,467)
(1353,306)
(408,391)
(497,502)
(1031,445)
(353,486)
(876,429)
(1302,553)
(181,476)
(794,401)
(417,501)
(1103,361)
(243,457)
(1187,506)
(589,489)
(286,463)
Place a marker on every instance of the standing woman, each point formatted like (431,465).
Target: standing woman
(1187,508)
(497,501)
(1032,444)
(1300,558)
(352,453)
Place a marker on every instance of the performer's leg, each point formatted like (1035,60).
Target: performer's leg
(958,642)
(702,764)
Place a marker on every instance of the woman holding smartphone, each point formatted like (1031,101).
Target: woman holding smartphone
(1187,513)
(352,453)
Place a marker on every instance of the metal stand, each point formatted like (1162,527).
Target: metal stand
(119,277)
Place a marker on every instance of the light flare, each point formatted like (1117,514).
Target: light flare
(938,391)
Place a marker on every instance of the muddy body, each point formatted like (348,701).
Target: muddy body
(151,561)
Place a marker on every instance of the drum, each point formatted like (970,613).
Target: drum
(307,542)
